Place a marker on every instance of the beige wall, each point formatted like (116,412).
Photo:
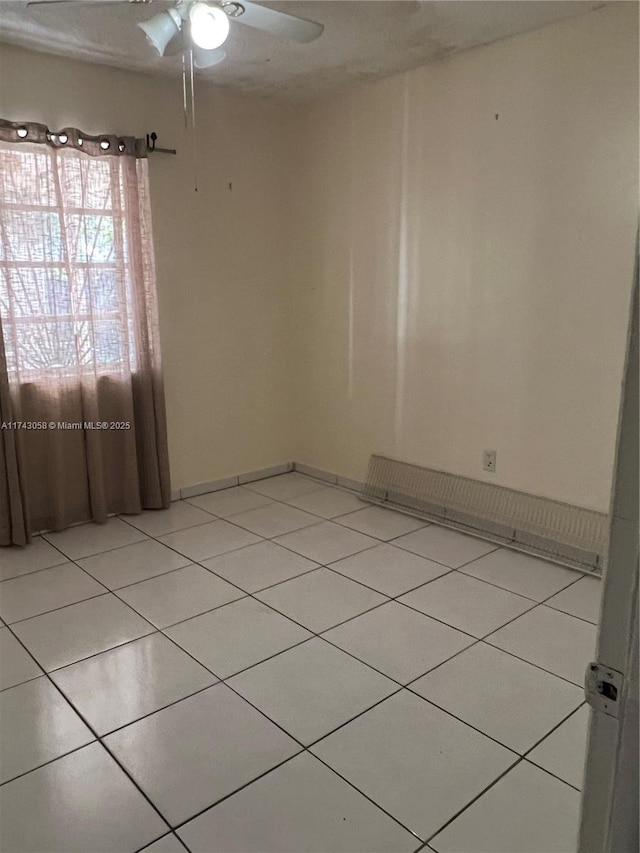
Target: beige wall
(464,281)
(219,253)
(394,270)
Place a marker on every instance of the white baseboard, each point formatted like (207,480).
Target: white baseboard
(228,482)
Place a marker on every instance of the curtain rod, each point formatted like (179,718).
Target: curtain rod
(153,149)
(71,137)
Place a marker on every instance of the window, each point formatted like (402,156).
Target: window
(65,269)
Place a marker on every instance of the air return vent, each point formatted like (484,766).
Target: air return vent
(556,531)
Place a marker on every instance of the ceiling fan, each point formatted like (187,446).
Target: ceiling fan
(197,29)
(202,26)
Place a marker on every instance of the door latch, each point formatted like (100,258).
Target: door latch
(603,688)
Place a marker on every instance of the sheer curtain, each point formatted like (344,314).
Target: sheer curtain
(81,394)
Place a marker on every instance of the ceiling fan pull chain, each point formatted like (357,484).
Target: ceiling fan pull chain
(184,92)
(193,124)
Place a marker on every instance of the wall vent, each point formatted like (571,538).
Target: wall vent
(563,533)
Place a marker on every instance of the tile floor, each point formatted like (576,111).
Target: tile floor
(281,667)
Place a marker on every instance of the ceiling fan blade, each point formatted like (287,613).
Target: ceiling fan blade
(278,23)
(207,58)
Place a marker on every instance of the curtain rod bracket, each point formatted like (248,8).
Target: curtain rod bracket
(151,145)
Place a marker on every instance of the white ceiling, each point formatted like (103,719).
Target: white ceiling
(362,40)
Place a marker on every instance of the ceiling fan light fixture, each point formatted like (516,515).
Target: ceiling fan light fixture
(160,29)
(209,26)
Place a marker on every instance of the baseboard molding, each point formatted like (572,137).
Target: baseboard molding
(228,482)
(328,477)
(316,473)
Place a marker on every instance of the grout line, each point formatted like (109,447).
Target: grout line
(162,837)
(475,728)
(472,801)
(27,680)
(180,621)
(50,760)
(35,571)
(224,679)
(548,734)
(366,796)
(277,766)
(149,713)
(270,586)
(62,607)
(160,574)
(88,657)
(549,773)
(143,538)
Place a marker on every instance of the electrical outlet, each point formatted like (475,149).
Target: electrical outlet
(489,460)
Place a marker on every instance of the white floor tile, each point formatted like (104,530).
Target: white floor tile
(228,502)
(552,640)
(284,486)
(398,641)
(389,570)
(258,566)
(418,763)
(39,554)
(178,595)
(237,636)
(381,523)
(68,635)
(30,595)
(467,604)
(123,684)
(327,502)
(36,726)
(159,522)
(209,540)
(275,519)
(563,753)
(581,599)
(133,563)
(87,539)
(326,542)
(78,803)
(16,665)
(312,689)
(303,807)
(190,755)
(527,811)
(321,599)
(445,546)
(521,573)
(504,697)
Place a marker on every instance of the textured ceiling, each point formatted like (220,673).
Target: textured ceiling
(361,41)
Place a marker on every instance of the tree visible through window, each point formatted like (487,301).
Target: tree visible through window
(65,278)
